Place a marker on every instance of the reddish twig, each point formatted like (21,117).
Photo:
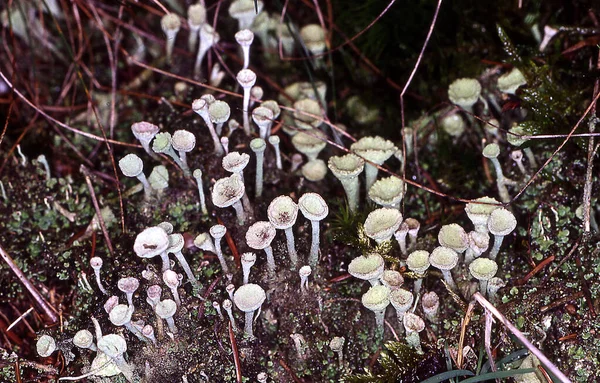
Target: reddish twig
(236,356)
(535,270)
(37,297)
(287,368)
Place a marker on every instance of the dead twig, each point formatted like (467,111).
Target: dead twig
(33,291)
(463,330)
(519,335)
(236,356)
(86,173)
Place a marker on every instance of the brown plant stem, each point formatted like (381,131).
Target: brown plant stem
(49,312)
(521,337)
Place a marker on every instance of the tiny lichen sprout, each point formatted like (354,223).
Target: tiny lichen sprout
(248,260)
(111,303)
(166,226)
(308,114)
(494,284)
(388,192)
(314,171)
(84,339)
(295,162)
(248,298)
(478,244)
(245,37)
(45,346)
(120,315)
(313,37)
(402,301)
(171,279)
(368,268)
(391,279)
(208,38)
(96,263)
(315,209)
(162,144)
(381,224)
(479,210)
(445,259)
(114,346)
(256,94)
(205,243)
(274,140)
(304,273)
(377,299)
(148,332)
(430,302)
(218,232)
(258,146)
(418,263)
(170,25)
(491,152)
(413,232)
(151,242)
(244,12)
(310,143)
(128,285)
(145,132)
(227,305)
(246,78)
(225,144)
(464,92)
(282,213)
(375,151)
(263,118)
(200,106)
(453,124)
(454,237)
(132,166)
(176,244)
(196,17)
(227,192)
(346,169)
(197,174)
(183,142)
(337,345)
(166,310)
(511,81)
(235,163)
(219,112)
(259,237)
(153,294)
(483,269)
(413,325)
(400,236)
(217,307)
(501,223)
(517,157)
(159,179)
(515,137)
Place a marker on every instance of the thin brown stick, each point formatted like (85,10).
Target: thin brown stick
(86,173)
(35,294)
(236,355)
(519,335)
(463,331)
